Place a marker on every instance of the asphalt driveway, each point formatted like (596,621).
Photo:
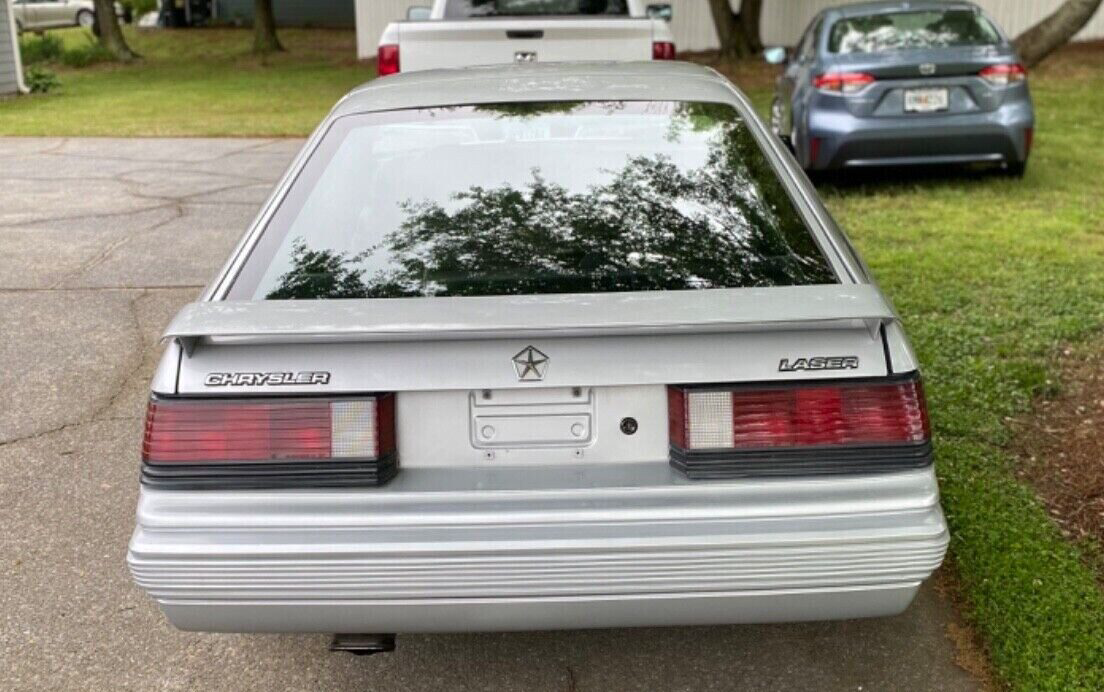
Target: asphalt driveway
(101,241)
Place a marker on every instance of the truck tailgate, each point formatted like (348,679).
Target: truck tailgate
(444,44)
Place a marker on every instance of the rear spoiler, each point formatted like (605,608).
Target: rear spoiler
(502,317)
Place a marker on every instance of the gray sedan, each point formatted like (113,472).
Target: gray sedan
(893,83)
(537,347)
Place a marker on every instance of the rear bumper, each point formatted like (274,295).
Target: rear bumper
(440,551)
(849,141)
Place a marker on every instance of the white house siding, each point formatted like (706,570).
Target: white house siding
(9,52)
(783,20)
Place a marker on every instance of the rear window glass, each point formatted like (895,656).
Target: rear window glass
(890,31)
(528,198)
(519,8)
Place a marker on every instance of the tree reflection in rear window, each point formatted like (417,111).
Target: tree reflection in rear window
(533,198)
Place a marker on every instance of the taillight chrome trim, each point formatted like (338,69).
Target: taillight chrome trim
(797,459)
(334,471)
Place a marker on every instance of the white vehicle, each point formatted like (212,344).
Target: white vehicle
(463,33)
(39,15)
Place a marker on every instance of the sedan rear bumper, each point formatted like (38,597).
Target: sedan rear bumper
(845,140)
(440,551)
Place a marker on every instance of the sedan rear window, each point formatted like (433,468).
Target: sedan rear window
(891,31)
(530,198)
(521,8)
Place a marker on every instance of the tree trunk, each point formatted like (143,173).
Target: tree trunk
(738,31)
(1055,31)
(111,36)
(264,28)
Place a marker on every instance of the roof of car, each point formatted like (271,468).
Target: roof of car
(629,81)
(865,8)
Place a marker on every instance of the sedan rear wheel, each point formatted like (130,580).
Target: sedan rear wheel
(86,20)
(1015,169)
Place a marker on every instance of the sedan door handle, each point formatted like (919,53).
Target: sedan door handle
(525,34)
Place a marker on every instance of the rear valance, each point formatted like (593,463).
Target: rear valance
(574,315)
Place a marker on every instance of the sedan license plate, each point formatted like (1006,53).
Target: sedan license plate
(926,100)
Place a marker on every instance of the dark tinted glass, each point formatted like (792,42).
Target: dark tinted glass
(528,198)
(881,33)
(515,8)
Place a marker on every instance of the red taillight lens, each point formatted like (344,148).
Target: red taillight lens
(843,82)
(1003,75)
(663,50)
(811,415)
(203,431)
(387,59)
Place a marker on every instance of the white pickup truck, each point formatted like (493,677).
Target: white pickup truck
(460,33)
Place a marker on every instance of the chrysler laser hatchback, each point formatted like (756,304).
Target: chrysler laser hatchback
(537,347)
(899,83)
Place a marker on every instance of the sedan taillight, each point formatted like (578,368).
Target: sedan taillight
(798,428)
(1004,74)
(182,431)
(387,59)
(663,50)
(843,82)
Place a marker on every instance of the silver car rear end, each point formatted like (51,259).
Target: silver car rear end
(552,460)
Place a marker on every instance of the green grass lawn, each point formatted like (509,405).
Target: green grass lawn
(991,275)
(195,82)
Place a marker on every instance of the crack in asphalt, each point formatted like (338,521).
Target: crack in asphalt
(111,247)
(133,365)
(129,372)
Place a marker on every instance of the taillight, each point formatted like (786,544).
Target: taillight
(387,59)
(798,428)
(1004,74)
(209,431)
(663,50)
(843,82)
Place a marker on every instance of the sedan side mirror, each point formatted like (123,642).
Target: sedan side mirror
(776,55)
(661,11)
(418,13)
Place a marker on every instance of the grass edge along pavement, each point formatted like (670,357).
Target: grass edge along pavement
(992,276)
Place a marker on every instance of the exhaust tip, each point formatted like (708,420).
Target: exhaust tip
(363,644)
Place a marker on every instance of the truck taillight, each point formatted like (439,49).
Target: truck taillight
(663,50)
(387,59)
(843,82)
(216,431)
(813,427)
(1004,74)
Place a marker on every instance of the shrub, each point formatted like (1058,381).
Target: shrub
(36,49)
(88,54)
(40,80)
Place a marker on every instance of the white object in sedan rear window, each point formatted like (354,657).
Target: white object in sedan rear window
(532,198)
(891,31)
